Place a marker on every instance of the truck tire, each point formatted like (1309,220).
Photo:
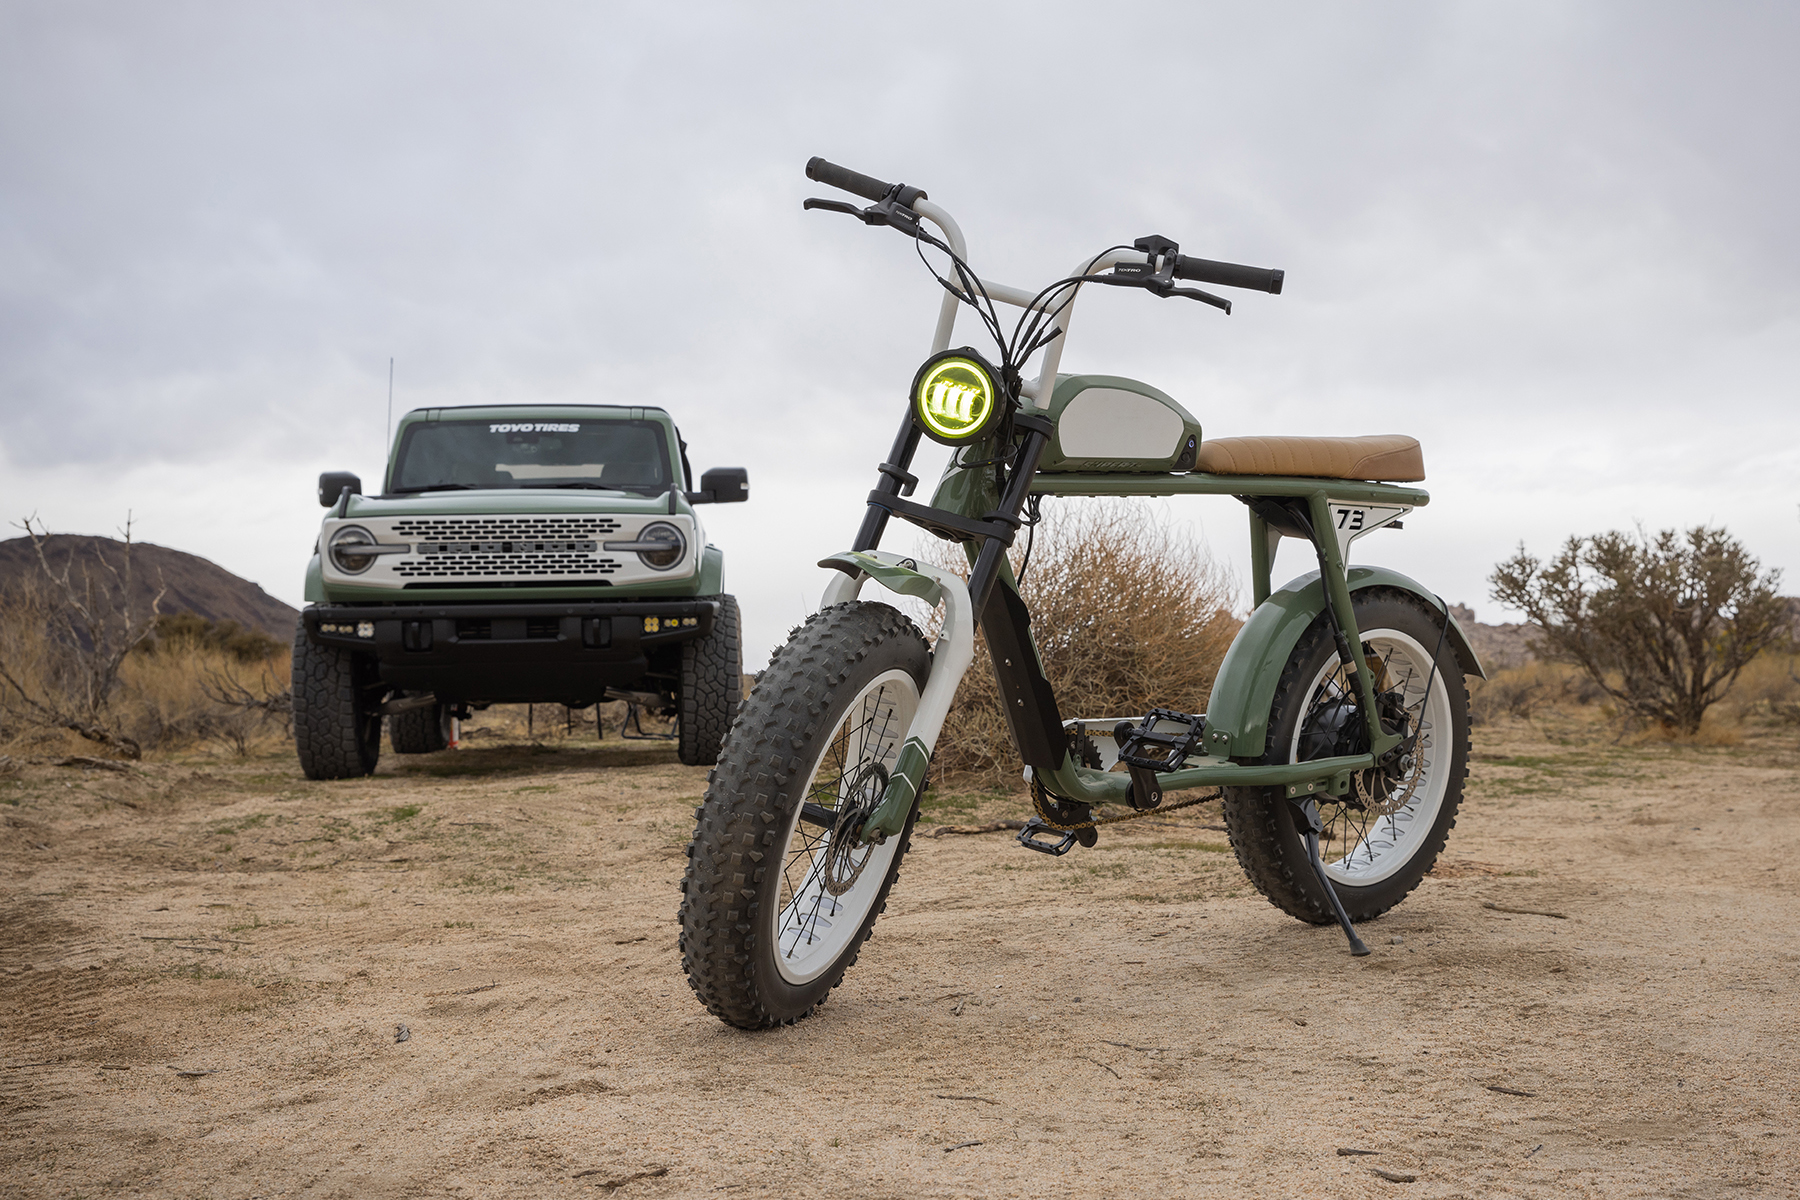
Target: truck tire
(337,710)
(420,730)
(712,669)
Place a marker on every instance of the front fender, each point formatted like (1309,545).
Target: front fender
(1237,713)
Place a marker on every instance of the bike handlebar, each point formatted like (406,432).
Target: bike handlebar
(856,183)
(1205,270)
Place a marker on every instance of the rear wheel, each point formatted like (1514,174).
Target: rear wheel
(420,730)
(712,674)
(337,710)
(1383,837)
(778,897)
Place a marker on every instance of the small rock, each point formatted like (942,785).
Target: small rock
(1395,1176)
(1396,940)
(401,1033)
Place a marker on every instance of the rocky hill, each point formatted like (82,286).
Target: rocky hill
(193,584)
(1498,646)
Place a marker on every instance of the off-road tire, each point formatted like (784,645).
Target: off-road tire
(732,890)
(1261,821)
(337,714)
(712,674)
(420,730)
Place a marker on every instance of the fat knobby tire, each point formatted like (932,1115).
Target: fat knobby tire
(1261,822)
(420,730)
(712,674)
(733,880)
(335,731)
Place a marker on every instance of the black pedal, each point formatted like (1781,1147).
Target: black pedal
(1066,838)
(1158,744)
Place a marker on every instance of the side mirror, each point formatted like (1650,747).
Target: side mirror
(722,485)
(332,485)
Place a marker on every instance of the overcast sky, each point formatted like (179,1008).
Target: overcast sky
(1556,242)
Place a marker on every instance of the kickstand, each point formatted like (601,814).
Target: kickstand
(1306,810)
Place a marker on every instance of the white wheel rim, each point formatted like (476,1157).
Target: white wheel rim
(812,927)
(1363,850)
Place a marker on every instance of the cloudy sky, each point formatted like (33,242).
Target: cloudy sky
(1554,241)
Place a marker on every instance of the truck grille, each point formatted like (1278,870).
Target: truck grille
(480,548)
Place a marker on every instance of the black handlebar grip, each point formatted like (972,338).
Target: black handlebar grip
(832,175)
(1205,270)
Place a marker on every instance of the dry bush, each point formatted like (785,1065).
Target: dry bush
(75,628)
(1127,614)
(1768,690)
(1665,624)
(206,695)
(180,695)
(1526,690)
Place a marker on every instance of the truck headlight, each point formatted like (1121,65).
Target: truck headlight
(659,545)
(670,545)
(343,549)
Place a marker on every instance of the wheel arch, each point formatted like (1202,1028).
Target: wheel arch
(1237,712)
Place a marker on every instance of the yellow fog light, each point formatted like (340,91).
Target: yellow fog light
(954,397)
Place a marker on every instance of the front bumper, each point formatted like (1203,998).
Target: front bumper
(546,653)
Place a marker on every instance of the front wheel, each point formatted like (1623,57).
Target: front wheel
(778,897)
(1383,837)
(712,680)
(337,710)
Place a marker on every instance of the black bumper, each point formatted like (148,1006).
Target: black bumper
(550,653)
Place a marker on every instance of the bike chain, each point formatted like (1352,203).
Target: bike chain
(1037,801)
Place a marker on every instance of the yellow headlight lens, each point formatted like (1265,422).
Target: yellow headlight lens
(954,399)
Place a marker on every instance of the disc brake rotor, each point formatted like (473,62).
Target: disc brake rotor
(844,857)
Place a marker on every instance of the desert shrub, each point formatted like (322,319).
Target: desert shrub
(1526,690)
(1663,624)
(1127,614)
(70,631)
(76,657)
(1768,689)
(185,632)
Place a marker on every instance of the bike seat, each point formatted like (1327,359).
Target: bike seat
(1387,457)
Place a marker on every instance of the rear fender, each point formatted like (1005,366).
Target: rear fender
(1237,713)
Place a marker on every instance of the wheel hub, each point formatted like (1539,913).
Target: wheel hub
(845,856)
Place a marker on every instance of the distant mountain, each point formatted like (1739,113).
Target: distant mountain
(193,584)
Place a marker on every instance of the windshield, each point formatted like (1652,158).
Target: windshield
(618,455)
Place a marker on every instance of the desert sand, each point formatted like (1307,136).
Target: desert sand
(459,978)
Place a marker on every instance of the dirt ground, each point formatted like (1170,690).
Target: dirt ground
(206,965)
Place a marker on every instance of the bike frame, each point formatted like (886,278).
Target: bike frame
(966,508)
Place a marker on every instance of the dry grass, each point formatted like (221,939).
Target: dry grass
(1128,614)
(180,694)
(1766,694)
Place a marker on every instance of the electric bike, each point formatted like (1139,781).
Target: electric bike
(1339,717)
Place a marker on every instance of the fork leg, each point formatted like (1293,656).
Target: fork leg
(1307,810)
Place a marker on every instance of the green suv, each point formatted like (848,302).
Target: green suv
(543,554)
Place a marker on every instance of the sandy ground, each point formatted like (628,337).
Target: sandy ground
(1131,1020)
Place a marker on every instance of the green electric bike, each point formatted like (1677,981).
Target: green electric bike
(1338,723)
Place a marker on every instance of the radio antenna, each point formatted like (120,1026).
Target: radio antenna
(389,447)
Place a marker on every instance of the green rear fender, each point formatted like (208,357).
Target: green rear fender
(1237,713)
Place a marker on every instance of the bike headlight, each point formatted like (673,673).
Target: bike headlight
(670,545)
(343,549)
(954,397)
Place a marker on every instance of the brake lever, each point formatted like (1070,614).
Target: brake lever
(1195,294)
(833,206)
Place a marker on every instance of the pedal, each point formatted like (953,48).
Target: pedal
(1158,744)
(1036,825)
